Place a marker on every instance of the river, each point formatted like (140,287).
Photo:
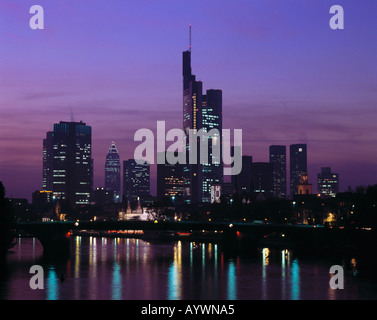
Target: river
(128,269)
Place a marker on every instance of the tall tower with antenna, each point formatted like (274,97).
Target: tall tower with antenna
(190,38)
(199,112)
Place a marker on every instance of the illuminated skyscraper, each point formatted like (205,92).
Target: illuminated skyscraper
(298,165)
(212,118)
(279,160)
(192,104)
(47,161)
(67,162)
(200,112)
(136,180)
(328,182)
(112,172)
(169,180)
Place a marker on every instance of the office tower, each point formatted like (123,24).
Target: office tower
(262,179)
(278,159)
(47,162)
(298,165)
(112,172)
(192,103)
(212,172)
(70,171)
(200,112)
(136,180)
(328,182)
(169,180)
(242,182)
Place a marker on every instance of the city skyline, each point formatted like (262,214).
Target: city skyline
(291,81)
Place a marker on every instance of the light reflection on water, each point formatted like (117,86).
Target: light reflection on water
(118,268)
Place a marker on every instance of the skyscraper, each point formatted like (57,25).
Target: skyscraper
(192,104)
(211,173)
(242,182)
(328,182)
(48,158)
(262,179)
(278,159)
(136,180)
(112,172)
(201,112)
(298,165)
(67,162)
(169,180)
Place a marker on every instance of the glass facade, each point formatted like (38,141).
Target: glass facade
(112,172)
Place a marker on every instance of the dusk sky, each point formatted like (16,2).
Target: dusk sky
(286,77)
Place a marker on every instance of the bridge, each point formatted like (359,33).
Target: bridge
(236,237)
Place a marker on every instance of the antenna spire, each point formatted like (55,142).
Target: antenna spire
(190,38)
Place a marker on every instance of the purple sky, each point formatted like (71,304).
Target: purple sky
(116,65)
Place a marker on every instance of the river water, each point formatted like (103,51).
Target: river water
(120,268)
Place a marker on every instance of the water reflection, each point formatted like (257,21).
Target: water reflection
(51,284)
(117,268)
(175,274)
(232,281)
(295,280)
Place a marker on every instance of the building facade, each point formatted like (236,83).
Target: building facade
(136,180)
(242,182)
(200,112)
(169,180)
(262,180)
(278,158)
(112,172)
(298,165)
(67,162)
(328,182)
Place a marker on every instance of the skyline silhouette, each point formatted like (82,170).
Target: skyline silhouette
(286,77)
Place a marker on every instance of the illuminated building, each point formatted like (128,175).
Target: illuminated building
(136,180)
(328,182)
(169,180)
(304,187)
(211,173)
(47,162)
(112,172)
(298,165)
(192,103)
(278,158)
(200,112)
(67,162)
(216,193)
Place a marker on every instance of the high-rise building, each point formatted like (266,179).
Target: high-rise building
(278,158)
(212,172)
(192,104)
(298,165)
(262,179)
(200,112)
(67,162)
(136,180)
(169,180)
(47,162)
(242,182)
(112,172)
(328,182)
